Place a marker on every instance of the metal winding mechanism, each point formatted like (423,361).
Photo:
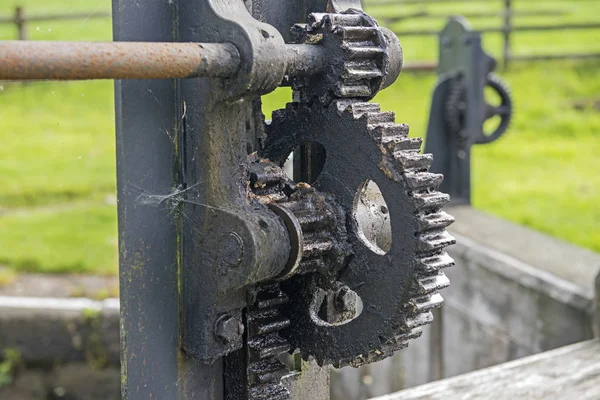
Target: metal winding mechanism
(459,109)
(398,285)
(341,262)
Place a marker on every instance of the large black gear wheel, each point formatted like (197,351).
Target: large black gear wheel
(399,288)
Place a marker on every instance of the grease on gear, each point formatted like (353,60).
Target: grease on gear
(398,289)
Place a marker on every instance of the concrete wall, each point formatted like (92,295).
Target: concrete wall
(514,292)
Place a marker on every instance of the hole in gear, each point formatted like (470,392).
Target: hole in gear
(373,222)
(305,163)
(334,308)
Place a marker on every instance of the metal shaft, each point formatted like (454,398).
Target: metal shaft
(25,60)
(31,60)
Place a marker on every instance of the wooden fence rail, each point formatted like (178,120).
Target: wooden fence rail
(476,14)
(20,19)
(506,29)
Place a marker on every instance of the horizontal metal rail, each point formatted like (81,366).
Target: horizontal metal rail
(32,60)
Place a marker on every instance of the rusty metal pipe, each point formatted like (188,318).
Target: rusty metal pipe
(38,60)
(32,60)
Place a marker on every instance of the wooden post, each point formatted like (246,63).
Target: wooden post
(507,31)
(596,308)
(20,22)
(436,347)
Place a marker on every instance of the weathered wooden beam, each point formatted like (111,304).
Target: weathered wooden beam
(571,372)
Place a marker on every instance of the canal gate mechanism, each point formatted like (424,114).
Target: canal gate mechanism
(459,111)
(240,279)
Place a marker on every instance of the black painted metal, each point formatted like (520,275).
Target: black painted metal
(200,253)
(459,109)
(148,115)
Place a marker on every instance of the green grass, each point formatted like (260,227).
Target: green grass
(81,239)
(57,161)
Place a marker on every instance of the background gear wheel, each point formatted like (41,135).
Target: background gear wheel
(456,108)
(399,288)
(504,110)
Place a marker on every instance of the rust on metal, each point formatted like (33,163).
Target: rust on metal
(30,60)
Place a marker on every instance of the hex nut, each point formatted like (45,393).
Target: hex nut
(228,329)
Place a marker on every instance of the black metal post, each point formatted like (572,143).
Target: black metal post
(148,115)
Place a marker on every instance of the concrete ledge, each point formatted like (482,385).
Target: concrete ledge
(548,255)
(51,331)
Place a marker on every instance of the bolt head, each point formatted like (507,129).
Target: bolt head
(346,299)
(228,329)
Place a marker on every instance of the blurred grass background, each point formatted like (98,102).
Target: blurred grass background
(57,161)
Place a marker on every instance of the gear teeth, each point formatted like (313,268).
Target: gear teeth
(434,241)
(423,180)
(413,160)
(359,33)
(419,320)
(269,345)
(414,333)
(432,264)
(268,371)
(423,304)
(430,201)
(311,221)
(399,143)
(264,344)
(399,131)
(377,118)
(270,321)
(357,39)
(275,393)
(316,264)
(431,224)
(364,52)
(432,284)
(315,246)
(353,90)
(434,221)
(401,161)
(358,109)
(360,70)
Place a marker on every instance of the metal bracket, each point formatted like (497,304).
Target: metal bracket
(459,109)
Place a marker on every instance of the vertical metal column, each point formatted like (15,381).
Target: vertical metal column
(148,121)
